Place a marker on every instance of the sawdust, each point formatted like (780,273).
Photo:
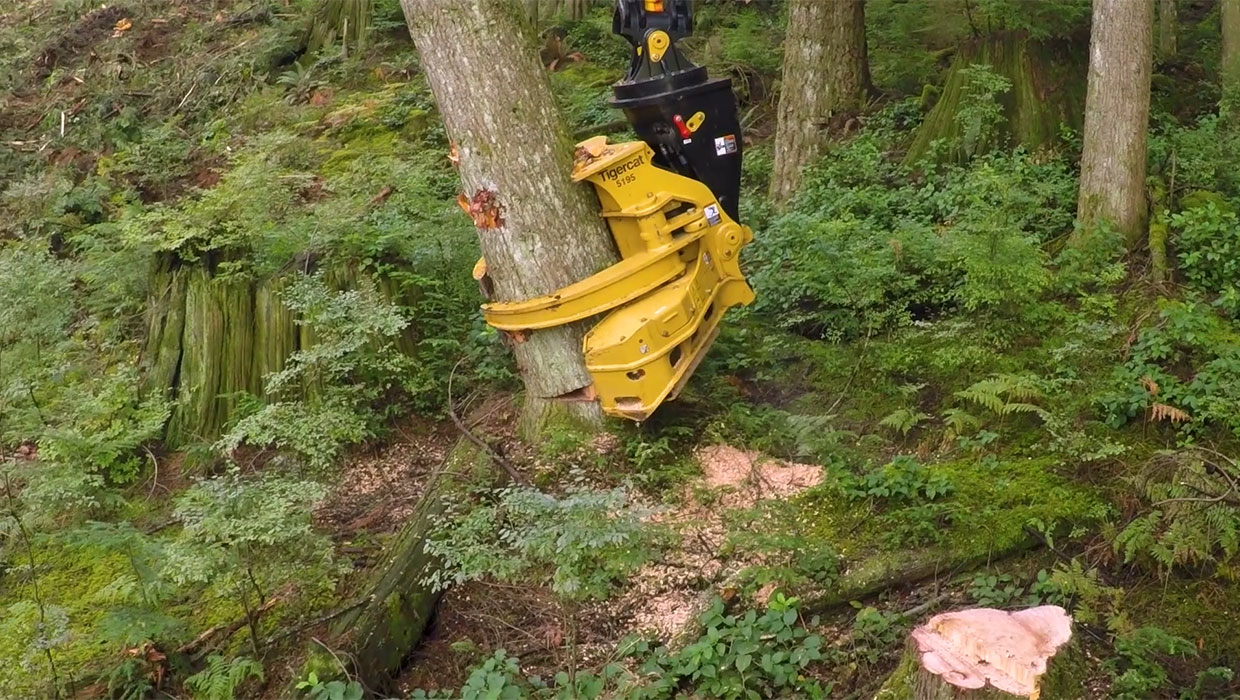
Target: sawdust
(667,596)
(378,490)
(752,476)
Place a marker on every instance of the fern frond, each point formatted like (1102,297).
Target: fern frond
(1162,411)
(960,420)
(903,420)
(1150,385)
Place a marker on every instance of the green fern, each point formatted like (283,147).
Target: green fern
(1193,518)
(221,678)
(903,420)
(1007,394)
(961,421)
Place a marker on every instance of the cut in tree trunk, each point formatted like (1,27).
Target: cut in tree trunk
(823,83)
(987,654)
(379,635)
(1117,107)
(1048,91)
(1167,29)
(538,230)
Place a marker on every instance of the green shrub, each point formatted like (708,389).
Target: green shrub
(745,655)
(579,544)
(1184,371)
(1207,245)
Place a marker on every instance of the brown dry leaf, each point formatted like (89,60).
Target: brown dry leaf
(1161,411)
(122,25)
(454,156)
(382,196)
(321,97)
(1150,385)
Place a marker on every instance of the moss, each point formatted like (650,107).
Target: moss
(1201,198)
(1205,612)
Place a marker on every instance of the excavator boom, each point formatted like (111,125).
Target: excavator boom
(671,203)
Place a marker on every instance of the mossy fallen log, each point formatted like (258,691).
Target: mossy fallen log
(1047,93)
(987,654)
(379,635)
(886,570)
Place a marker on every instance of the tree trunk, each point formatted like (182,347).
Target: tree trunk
(823,82)
(1229,17)
(1117,106)
(1048,92)
(539,231)
(1167,25)
(987,654)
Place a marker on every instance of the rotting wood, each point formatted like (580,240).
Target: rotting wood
(377,636)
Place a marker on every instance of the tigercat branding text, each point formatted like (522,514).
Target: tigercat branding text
(616,171)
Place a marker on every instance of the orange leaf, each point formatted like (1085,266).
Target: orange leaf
(1150,385)
(1161,411)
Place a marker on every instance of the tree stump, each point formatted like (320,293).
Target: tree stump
(988,654)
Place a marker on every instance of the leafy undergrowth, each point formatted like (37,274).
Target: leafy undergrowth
(941,398)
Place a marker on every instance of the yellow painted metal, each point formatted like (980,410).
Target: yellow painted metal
(695,122)
(658,41)
(679,272)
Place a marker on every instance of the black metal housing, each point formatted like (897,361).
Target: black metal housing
(653,94)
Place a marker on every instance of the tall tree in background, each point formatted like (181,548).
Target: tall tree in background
(1117,106)
(825,75)
(1167,28)
(1229,17)
(539,231)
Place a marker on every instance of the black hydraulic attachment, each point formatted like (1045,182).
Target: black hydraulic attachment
(688,120)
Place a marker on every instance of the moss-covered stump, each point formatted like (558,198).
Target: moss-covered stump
(1047,91)
(988,654)
(378,635)
(212,339)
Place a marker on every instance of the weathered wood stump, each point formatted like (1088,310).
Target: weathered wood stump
(988,654)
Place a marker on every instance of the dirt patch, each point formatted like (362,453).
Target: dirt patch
(665,598)
(93,27)
(378,489)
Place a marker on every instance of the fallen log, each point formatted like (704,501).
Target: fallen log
(377,636)
(882,571)
(988,654)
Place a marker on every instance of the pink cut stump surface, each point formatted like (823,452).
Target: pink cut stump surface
(970,648)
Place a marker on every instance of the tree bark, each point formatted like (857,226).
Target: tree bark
(1047,93)
(1117,105)
(378,636)
(539,231)
(823,82)
(1167,29)
(987,654)
(1229,17)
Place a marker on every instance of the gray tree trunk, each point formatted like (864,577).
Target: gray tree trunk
(1229,14)
(1117,105)
(1167,28)
(539,231)
(823,82)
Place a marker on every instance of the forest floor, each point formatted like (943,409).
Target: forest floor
(904,423)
